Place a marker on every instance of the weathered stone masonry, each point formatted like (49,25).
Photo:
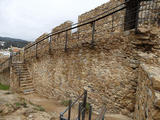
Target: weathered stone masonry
(112,71)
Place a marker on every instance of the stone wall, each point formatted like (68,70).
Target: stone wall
(147,105)
(14,83)
(5,76)
(106,71)
(148,96)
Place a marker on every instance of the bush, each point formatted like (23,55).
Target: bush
(4,87)
(65,102)
(87,107)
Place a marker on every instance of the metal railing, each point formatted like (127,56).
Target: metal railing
(82,99)
(93,32)
(102,113)
(81,114)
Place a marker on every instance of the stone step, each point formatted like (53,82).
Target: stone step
(26,84)
(23,73)
(24,76)
(28,91)
(25,81)
(18,63)
(27,87)
(156,81)
(17,68)
(157,99)
(116,117)
(143,37)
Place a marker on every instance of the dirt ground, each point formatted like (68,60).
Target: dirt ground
(15,106)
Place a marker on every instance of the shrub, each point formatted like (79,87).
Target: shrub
(65,102)
(4,87)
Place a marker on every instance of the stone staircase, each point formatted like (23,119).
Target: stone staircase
(25,80)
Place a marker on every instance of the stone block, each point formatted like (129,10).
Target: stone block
(157,99)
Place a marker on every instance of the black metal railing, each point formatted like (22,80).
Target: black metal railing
(101,115)
(82,110)
(82,99)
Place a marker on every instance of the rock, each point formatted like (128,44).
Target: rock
(143,30)
(157,100)
(116,117)
(156,115)
(154,75)
(6,109)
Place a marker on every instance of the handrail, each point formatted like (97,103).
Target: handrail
(81,109)
(91,20)
(73,103)
(102,113)
(81,23)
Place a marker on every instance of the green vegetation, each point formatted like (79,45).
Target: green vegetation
(87,107)
(4,87)
(65,102)
(12,42)
(19,104)
(37,107)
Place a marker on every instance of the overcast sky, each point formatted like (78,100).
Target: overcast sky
(28,19)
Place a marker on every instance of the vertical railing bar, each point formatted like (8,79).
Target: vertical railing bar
(142,12)
(79,111)
(149,12)
(112,22)
(24,55)
(84,105)
(93,32)
(36,50)
(90,112)
(137,17)
(69,111)
(19,55)
(66,41)
(50,41)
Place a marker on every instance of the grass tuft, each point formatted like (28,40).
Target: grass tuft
(65,102)
(4,87)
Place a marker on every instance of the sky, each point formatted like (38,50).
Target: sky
(28,19)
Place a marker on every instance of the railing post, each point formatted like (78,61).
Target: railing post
(66,41)
(24,55)
(137,17)
(93,32)
(79,111)
(36,50)
(90,112)
(50,44)
(84,105)
(69,111)
(112,22)
(19,72)
(61,116)
(10,58)
(19,56)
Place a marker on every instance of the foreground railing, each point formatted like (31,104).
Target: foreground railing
(82,99)
(83,109)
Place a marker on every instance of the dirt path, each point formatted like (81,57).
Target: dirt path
(35,107)
(50,105)
(31,107)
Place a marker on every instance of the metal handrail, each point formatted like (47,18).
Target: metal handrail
(102,113)
(85,22)
(82,107)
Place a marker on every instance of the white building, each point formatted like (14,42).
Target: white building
(4,53)
(2,43)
